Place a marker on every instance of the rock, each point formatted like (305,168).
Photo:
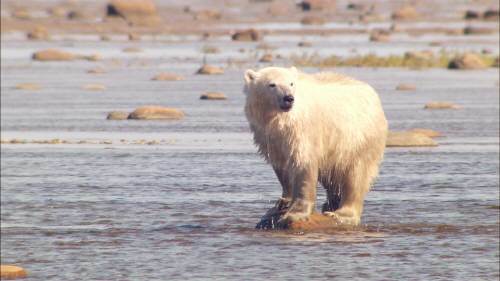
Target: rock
(473,30)
(96,70)
(380,36)
(309,5)
(356,6)
(105,37)
(132,50)
(441,105)
(213,96)
(405,13)
(21,14)
(312,20)
(117,115)
(315,222)
(134,37)
(78,15)
(165,76)
(94,57)
(53,55)
(471,15)
(304,44)
(135,12)
(493,15)
(266,58)
(426,132)
(419,55)
(156,113)
(28,86)
(406,87)
(210,70)
(467,61)
(210,49)
(94,87)
(246,35)
(276,8)
(206,15)
(38,33)
(57,12)
(18,141)
(11,272)
(408,139)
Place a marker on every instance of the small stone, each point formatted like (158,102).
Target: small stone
(38,33)
(266,58)
(312,20)
(246,35)
(213,96)
(165,76)
(156,113)
(28,86)
(380,36)
(210,70)
(11,272)
(467,61)
(405,13)
(492,15)
(408,139)
(96,70)
(94,87)
(53,55)
(22,14)
(304,44)
(406,87)
(426,132)
(117,115)
(134,37)
(132,50)
(441,105)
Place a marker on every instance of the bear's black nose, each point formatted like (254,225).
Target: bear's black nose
(288,99)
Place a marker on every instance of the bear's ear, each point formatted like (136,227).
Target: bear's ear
(250,75)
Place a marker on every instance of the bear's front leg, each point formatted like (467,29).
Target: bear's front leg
(304,184)
(272,216)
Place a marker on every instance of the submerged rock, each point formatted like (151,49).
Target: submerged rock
(11,272)
(210,70)
(441,105)
(28,86)
(406,87)
(247,35)
(165,76)
(156,113)
(467,61)
(117,115)
(53,55)
(426,132)
(213,96)
(94,87)
(408,139)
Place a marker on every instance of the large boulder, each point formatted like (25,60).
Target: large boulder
(156,113)
(408,139)
(467,61)
(405,13)
(135,12)
(246,35)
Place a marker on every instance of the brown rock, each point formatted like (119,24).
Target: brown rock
(105,37)
(96,70)
(419,55)
(11,272)
(266,58)
(467,61)
(21,14)
(165,76)
(94,87)
(57,12)
(493,15)
(315,222)
(309,5)
(134,37)
(213,96)
(247,35)
(156,113)
(117,115)
(38,33)
(210,70)
(206,15)
(441,105)
(304,44)
(380,36)
(135,12)
(280,8)
(405,13)
(312,20)
(28,86)
(469,15)
(79,15)
(53,55)
(426,132)
(132,50)
(408,139)
(474,30)
(94,57)
(406,87)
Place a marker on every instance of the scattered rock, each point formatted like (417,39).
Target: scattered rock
(213,96)
(117,115)
(406,87)
(356,6)
(312,20)
(426,132)
(441,105)
(53,55)
(309,5)
(38,33)
(165,76)
(408,139)
(105,37)
(10,272)
(206,15)
(474,30)
(467,61)
(17,141)
(492,15)
(134,37)
(210,50)
(28,86)
(156,113)
(96,70)
(380,36)
(210,69)
(304,44)
(94,57)
(57,12)
(469,15)
(21,14)
(419,55)
(266,58)
(78,15)
(247,35)
(405,13)
(132,50)
(94,87)
(280,8)
(135,12)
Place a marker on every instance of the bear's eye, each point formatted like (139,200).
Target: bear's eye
(291,84)
(272,85)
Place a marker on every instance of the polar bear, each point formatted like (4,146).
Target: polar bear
(323,127)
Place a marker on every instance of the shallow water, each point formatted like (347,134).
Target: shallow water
(186,209)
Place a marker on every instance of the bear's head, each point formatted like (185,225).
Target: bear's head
(274,86)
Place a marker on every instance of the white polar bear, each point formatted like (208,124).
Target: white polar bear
(323,127)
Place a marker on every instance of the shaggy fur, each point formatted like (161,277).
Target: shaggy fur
(335,133)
